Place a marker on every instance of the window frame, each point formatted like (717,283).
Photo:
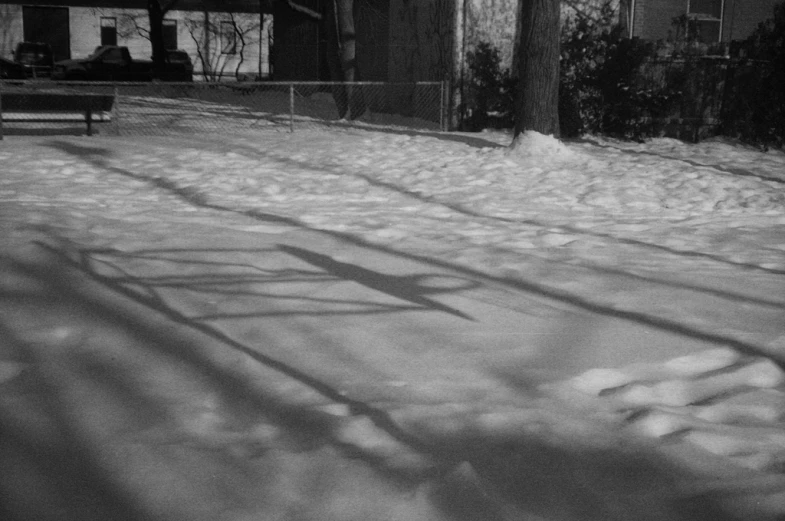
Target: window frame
(703,18)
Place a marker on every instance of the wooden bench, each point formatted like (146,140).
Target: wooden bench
(53,107)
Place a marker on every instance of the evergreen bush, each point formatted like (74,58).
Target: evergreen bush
(606,85)
(491,90)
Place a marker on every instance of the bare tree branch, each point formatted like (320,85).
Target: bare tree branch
(590,9)
(142,31)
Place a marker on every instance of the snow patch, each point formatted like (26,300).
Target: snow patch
(533,145)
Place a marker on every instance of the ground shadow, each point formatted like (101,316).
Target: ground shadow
(537,477)
(731,171)
(210,278)
(406,287)
(79,130)
(473,478)
(76,474)
(150,300)
(458,208)
(529,286)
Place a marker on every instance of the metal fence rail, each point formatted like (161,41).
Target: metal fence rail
(715,93)
(172,108)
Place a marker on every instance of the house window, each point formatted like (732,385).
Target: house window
(108,30)
(228,38)
(170,34)
(705,20)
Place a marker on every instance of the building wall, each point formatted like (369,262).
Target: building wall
(86,31)
(10,28)
(298,49)
(654,18)
(192,37)
(301,41)
(742,17)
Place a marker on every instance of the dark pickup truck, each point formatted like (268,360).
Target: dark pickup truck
(35,58)
(112,63)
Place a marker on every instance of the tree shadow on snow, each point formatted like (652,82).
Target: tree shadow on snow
(147,293)
(407,287)
(193,196)
(463,210)
(112,394)
(115,418)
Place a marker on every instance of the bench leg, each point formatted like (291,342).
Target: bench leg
(89,118)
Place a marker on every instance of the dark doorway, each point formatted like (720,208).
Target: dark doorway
(108,30)
(48,25)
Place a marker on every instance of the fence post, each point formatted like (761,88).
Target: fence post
(291,107)
(447,108)
(116,110)
(1,110)
(726,127)
(441,105)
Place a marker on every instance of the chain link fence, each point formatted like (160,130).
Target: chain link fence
(714,95)
(175,108)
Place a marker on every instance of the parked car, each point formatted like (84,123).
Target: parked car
(11,70)
(36,58)
(113,63)
(107,63)
(178,66)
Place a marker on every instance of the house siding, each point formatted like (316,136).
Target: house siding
(11,30)
(86,31)
(654,18)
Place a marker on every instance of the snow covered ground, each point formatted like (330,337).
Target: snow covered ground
(687,238)
(665,210)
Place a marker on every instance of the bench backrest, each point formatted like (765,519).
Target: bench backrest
(54,102)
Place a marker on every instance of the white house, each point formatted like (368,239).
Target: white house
(224,39)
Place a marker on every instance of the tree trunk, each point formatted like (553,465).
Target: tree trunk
(537,102)
(342,58)
(156,14)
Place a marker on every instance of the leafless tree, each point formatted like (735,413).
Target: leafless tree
(342,57)
(209,36)
(156,11)
(537,102)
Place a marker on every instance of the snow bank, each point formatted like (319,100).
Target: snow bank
(531,145)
